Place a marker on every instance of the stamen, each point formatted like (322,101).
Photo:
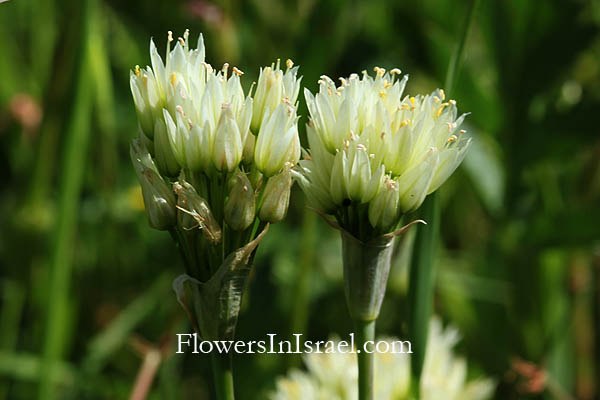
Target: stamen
(379,71)
(137,71)
(173,78)
(395,71)
(289,63)
(237,71)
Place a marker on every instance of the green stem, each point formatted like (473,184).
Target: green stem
(223,375)
(365,332)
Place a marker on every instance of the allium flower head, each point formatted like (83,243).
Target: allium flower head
(198,116)
(196,119)
(370,145)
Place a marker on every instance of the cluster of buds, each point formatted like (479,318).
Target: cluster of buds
(371,146)
(208,155)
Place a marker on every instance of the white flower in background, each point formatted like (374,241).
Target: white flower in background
(333,376)
(368,144)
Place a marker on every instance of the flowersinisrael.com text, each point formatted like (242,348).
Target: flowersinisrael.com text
(192,343)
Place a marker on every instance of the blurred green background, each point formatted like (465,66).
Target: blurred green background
(519,259)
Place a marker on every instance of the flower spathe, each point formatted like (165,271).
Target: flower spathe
(370,145)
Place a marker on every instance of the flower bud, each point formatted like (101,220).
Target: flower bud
(240,208)
(159,200)
(276,197)
(228,146)
(194,212)
(278,142)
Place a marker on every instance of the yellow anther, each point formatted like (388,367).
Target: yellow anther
(441,110)
(462,131)
(344,82)
(173,78)
(403,124)
(379,71)
(442,94)
(412,100)
(413,108)
(137,71)
(289,63)
(436,99)
(237,71)
(451,125)
(170,36)
(386,84)
(453,102)
(395,71)
(382,94)
(181,41)
(452,138)
(404,107)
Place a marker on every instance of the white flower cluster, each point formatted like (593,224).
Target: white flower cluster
(199,118)
(333,376)
(368,144)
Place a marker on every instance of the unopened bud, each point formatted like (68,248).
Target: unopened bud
(277,197)
(194,212)
(228,146)
(159,200)
(240,208)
